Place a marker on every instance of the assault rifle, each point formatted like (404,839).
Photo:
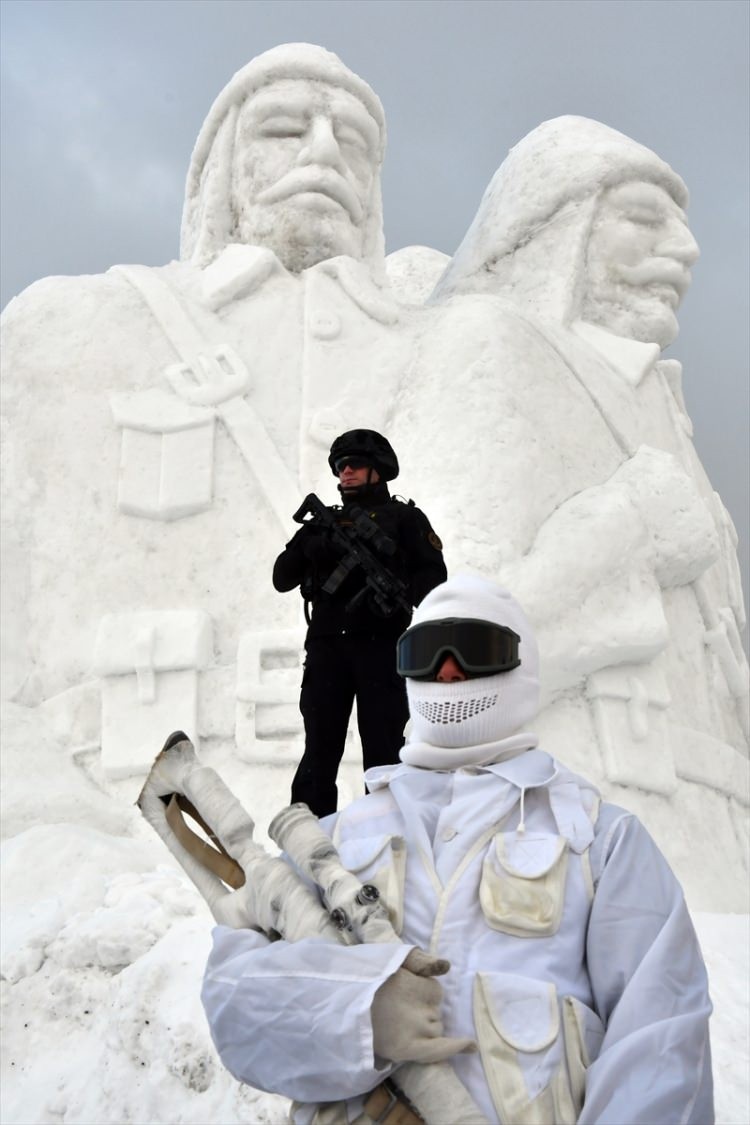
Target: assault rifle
(387,590)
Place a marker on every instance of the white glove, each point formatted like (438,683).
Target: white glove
(406,1022)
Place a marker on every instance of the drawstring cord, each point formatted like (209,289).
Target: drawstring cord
(521,824)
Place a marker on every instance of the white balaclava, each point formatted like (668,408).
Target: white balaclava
(475,720)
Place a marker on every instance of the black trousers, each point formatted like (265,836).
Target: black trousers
(337,670)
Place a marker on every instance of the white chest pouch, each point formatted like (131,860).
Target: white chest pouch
(535,1061)
(522,888)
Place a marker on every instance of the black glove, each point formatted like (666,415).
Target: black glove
(318,548)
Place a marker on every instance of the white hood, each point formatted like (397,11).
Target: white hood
(473,717)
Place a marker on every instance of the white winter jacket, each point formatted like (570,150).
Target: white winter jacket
(574,963)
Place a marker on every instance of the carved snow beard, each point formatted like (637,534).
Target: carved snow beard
(629,311)
(300,238)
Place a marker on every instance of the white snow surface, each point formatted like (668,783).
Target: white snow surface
(104,941)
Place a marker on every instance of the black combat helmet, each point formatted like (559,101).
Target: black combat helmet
(371,447)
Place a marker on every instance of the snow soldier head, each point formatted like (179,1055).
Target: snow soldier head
(581,222)
(485,705)
(289,158)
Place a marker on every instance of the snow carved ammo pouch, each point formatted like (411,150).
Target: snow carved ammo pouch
(522,888)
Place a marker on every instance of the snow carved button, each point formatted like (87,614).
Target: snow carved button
(324,326)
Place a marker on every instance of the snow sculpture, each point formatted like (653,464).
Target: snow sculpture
(164,423)
(149,665)
(592,504)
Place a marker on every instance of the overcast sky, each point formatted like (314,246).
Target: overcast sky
(102,101)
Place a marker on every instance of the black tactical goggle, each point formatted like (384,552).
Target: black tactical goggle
(353,462)
(480,647)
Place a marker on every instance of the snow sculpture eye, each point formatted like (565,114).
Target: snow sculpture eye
(284,125)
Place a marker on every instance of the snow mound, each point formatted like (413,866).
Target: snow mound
(103,955)
(725,940)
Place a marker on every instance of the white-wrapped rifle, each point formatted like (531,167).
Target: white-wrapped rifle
(276,901)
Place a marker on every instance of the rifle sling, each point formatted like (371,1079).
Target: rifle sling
(388,1105)
(219,862)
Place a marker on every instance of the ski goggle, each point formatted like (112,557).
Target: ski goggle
(481,648)
(353,463)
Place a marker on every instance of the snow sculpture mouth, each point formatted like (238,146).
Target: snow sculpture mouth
(312,181)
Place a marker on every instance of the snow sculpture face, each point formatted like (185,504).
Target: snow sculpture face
(289,158)
(303,171)
(580,221)
(637,263)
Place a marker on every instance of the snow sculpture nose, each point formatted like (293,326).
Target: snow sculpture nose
(322,146)
(678,243)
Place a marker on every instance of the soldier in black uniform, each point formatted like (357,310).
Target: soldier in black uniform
(351,653)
